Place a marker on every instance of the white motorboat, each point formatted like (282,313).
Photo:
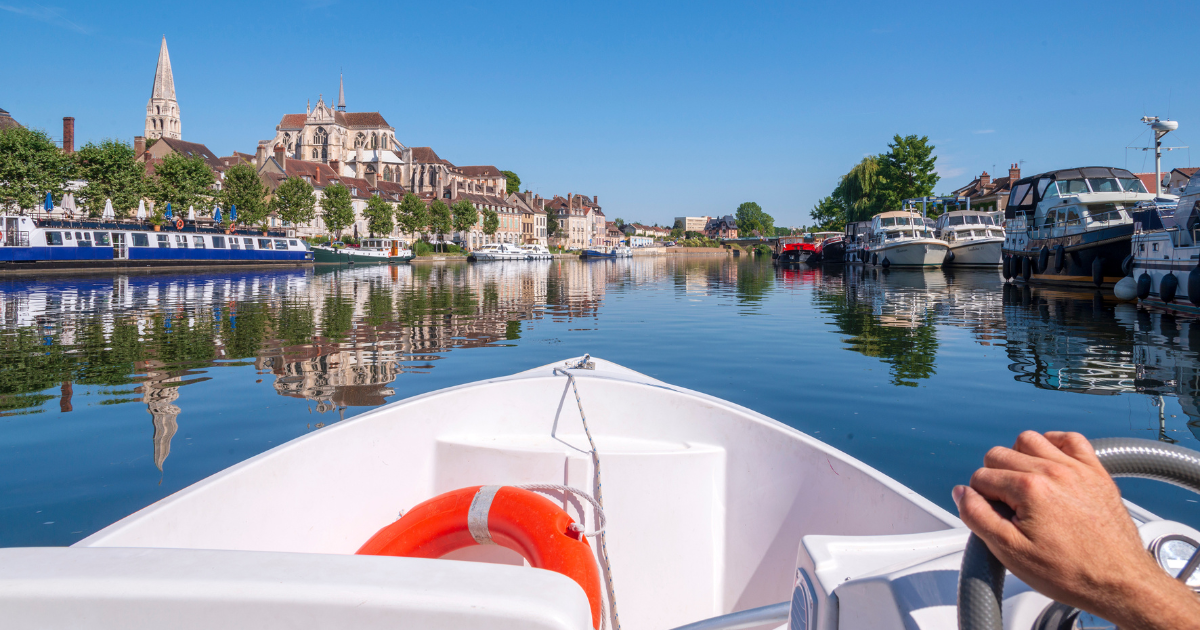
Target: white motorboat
(534,251)
(1166,248)
(974,238)
(710,512)
(499,251)
(904,238)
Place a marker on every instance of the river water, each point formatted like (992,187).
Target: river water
(117,390)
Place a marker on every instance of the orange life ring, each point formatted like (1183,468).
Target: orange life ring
(517,519)
(178,224)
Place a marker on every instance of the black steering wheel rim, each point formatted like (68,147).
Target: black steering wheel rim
(981,578)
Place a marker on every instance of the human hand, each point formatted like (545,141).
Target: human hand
(1070,537)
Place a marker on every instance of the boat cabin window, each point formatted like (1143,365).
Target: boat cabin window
(1104,211)
(141,240)
(887,221)
(101,239)
(1133,185)
(163,240)
(293,243)
(1020,196)
(83,239)
(1104,184)
(234,243)
(956,220)
(198,242)
(264,243)
(280,244)
(1043,185)
(1072,187)
(218,242)
(1051,217)
(68,235)
(972,219)
(181,241)
(1073,215)
(54,238)
(249,243)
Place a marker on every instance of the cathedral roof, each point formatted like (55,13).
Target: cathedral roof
(361,119)
(480,171)
(426,155)
(292,121)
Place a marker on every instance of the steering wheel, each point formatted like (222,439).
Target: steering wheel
(981,578)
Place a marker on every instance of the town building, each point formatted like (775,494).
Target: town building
(1175,181)
(162,110)
(721,227)
(988,195)
(691,224)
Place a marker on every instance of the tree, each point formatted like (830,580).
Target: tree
(907,170)
(412,215)
(379,215)
(514,182)
(619,222)
(294,201)
(751,219)
(464,216)
(337,208)
(551,221)
(30,167)
(441,221)
(183,182)
(861,190)
(829,215)
(111,172)
(245,190)
(491,221)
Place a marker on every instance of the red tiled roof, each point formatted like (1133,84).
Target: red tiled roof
(1147,180)
(1186,172)
(480,171)
(426,155)
(192,149)
(292,121)
(361,119)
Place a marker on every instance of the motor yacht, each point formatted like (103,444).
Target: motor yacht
(499,251)
(855,238)
(642,504)
(370,251)
(534,251)
(904,238)
(1073,226)
(1165,263)
(973,238)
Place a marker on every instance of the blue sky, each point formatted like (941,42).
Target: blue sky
(660,109)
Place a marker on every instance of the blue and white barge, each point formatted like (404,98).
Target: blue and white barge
(33,244)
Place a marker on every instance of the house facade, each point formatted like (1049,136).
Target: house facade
(987,194)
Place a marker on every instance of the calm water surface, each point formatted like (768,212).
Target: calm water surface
(117,390)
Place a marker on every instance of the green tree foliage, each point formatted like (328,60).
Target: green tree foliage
(620,223)
(379,215)
(551,221)
(464,215)
(413,214)
(514,182)
(183,181)
(829,215)
(860,191)
(907,170)
(244,189)
(491,221)
(111,172)
(30,167)
(337,208)
(441,220)
(294,201)
(752,220)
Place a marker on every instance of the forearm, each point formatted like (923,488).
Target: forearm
(1155,602)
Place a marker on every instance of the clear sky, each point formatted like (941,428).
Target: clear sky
(660,109)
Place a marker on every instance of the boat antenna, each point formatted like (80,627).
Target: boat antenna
(1160,128)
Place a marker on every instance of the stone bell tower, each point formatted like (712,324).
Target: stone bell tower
(162,111)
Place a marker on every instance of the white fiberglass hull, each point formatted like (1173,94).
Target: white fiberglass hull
(500,256)
(976,253)
(911,253)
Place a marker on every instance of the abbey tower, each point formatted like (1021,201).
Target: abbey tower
(162,111)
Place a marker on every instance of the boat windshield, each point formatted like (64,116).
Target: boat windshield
(1072,187)
(956,220)
(972,219)
(1104,184)
(887,221)
(1133,185)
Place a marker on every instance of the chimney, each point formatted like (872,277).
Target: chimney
(139,147)
(317,175)
(1014,173)
(985,181)
(336,165)
(570,202)
(281,157)
(372,179)
(68,134)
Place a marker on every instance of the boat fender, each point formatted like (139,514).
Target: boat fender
(1193,285)
(1006,267)
(1026,268)
(1098,271)
(1126,289)
(1060,258)
(514,518)
(1144,284)
(886,263)
(1127,265)
(1167,287)
(1043,260)
(874,259)
(178,224)
(949,256)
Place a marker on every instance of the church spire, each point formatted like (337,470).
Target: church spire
(162,111)
(164,81)
(341,94)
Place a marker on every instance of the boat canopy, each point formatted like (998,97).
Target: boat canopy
(1027,192)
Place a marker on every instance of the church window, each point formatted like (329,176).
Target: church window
(360,140)
(157,109)
(374,141)
(387,173)
(315,153)
(320,136)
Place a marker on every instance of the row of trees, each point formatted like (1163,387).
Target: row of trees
(879,183)
(412,215)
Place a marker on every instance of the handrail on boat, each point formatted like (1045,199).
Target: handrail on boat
(775,613)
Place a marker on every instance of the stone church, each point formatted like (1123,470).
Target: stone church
(162,111)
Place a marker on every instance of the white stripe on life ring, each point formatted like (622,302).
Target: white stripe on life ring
(477,516)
